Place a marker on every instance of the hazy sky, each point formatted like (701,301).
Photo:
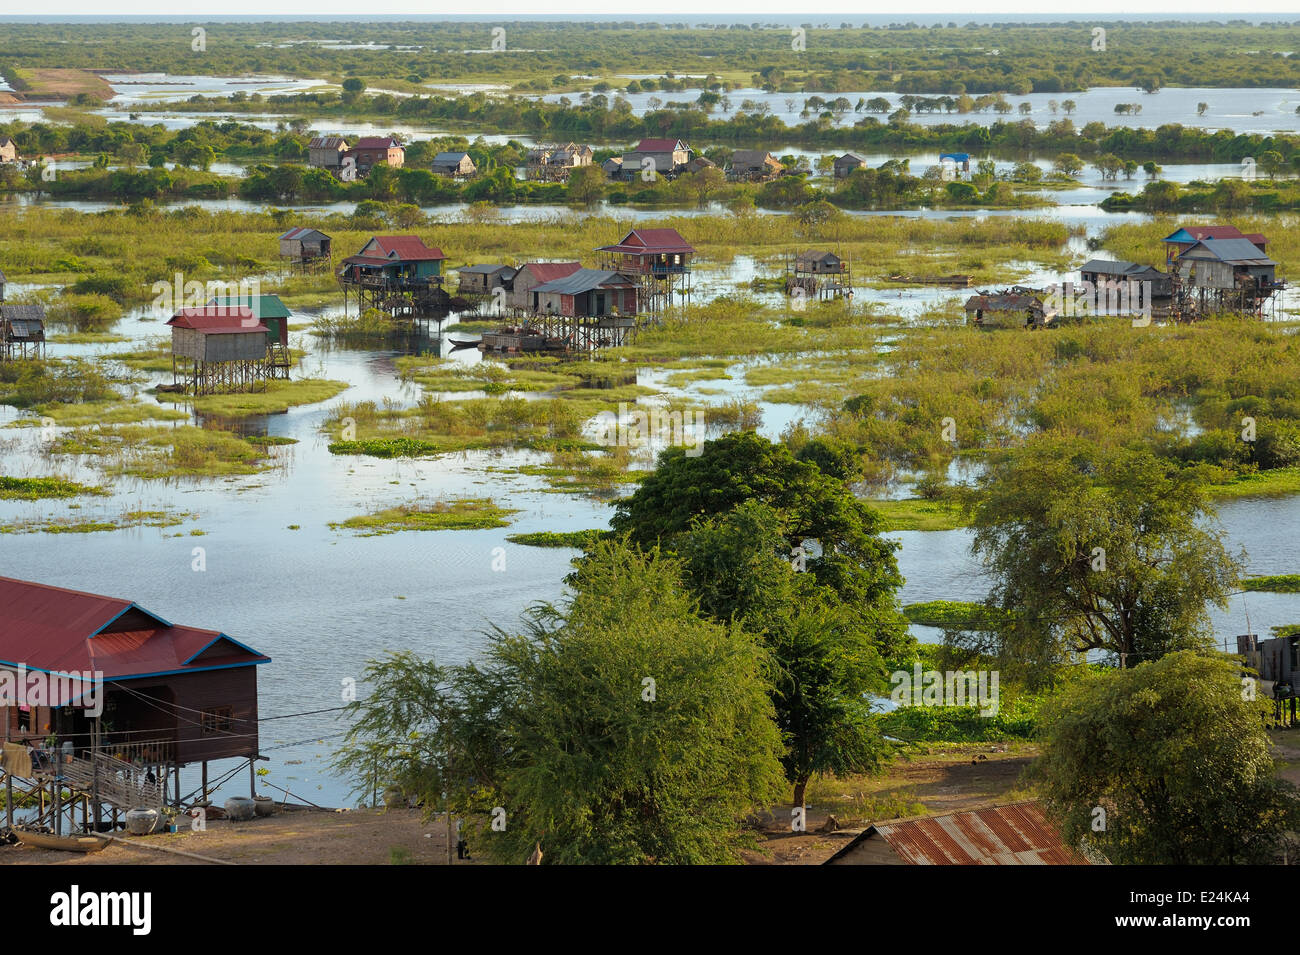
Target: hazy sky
(743,10)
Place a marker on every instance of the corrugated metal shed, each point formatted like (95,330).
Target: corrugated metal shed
(1232,251)
(22,323)
(303,234)
(585,280)
(1018,834)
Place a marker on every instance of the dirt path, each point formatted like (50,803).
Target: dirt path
(952,780)
(294,837)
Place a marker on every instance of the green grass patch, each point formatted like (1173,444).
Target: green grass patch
(277,398)
(36,489)
(87,413)
(156,453)
(952,615)
(915,514)
(88,338)
(126,520)
(462,514)
(1273,483)
(1273,583)
(578,539)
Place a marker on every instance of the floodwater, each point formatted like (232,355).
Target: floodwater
(322,602)
(1239,109)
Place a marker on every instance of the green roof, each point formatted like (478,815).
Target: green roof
(266,306)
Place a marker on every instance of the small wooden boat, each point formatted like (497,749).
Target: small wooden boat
(460,343)
(47,840)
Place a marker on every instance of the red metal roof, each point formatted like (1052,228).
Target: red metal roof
(650,241)
(1214,232)
(377,142)
(218,320)
(1019,834)
(1200,232)
(57,630)
(550,271)
(407,248)
(659,145)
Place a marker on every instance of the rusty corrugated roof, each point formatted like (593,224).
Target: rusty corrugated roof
(1018,834)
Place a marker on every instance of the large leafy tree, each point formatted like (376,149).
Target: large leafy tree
(823,658)
(1175,756)
(849,556)
(620,728)
(1095,548)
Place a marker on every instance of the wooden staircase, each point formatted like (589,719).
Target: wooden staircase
(120,784)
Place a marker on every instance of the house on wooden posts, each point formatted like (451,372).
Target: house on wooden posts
(753,165)
(371,151)
(327,152)
(22,331)
(613,167)
(1100,272)
(1178,242)
(659,260)
(592,308)
(533,274)
(1226,275)
(586,293)
(130,697)
(454,165)
(667,157)
(1017,834)
(847,163)
(8,150)
(484,279)
(1011,308)
(274,314)
(217,348)
(305,248)
(817,273)
(397,274)
(1226,264)
(699,164)
(556,163)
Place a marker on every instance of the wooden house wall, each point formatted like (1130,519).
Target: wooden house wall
(234,346)
(1207,272)
(525,282)
(236,688)
(187,343)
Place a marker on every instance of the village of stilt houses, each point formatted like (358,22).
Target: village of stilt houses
(679,442)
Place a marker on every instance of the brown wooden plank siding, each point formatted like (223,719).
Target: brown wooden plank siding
(235,688)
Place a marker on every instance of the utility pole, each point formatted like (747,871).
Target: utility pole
(94,772)
(446,738)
